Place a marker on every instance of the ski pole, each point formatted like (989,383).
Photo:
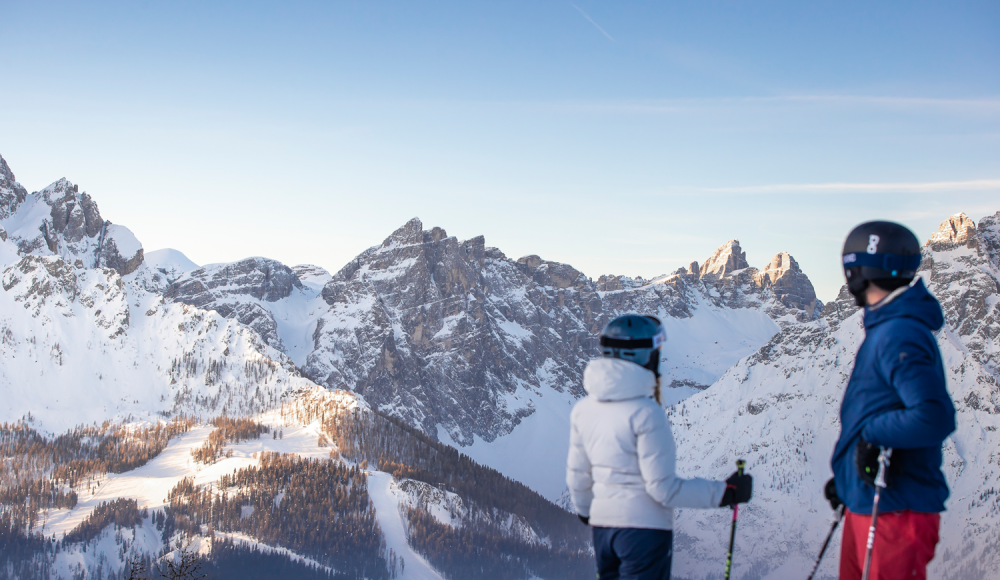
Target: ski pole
(883,465)
(826,544)
(740,464)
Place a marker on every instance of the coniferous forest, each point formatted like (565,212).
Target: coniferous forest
(316,508)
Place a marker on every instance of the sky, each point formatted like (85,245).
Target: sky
(619,137)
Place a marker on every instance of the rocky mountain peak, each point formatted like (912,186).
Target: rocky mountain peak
(11,192)
(958,229)
(789,283)
(551,274)
(726,260)
(75,216)
(412,232)
(73,229)
(76,230)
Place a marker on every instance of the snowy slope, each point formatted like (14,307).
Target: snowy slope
(387,498)
(170,262)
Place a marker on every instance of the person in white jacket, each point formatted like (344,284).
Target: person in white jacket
(621,465)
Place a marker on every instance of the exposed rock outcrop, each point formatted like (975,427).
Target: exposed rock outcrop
(237,290)
(73,230)
(958,229)
(12,194)
(789,284)
(726,260)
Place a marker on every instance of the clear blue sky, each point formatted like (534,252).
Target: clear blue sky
(624,137)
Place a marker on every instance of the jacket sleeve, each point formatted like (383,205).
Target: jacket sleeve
(911,365)
(657,460)
(578,474)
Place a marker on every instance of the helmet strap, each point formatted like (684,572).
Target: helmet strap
(858,287)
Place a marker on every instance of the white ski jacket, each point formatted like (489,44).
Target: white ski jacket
(620,469)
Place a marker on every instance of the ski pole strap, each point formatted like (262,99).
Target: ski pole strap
(884,455)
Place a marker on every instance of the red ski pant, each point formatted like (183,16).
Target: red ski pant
(904,545)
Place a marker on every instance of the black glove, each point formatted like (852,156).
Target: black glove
(866,460)
(830,493)
(584,519)
(739,489)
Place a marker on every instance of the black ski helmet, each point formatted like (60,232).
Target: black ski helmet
(885,253)
(635,338)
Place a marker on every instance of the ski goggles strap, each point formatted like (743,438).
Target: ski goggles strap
(630,344)
(888,262)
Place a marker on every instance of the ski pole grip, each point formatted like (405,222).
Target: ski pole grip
(740,464)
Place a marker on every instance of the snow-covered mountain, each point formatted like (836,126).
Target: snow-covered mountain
(86,335)
(171,263)
(485,352)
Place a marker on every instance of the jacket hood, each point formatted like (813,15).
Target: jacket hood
(614,379)
(915,302)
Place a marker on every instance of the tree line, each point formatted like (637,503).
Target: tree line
(395,447)
(318,508)
(40,473)
(227,430)
(462,552)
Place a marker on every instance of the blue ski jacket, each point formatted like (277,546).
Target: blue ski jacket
(897,397)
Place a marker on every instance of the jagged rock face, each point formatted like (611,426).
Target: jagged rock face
(74,216)
(989,237)
(11,192)
(73,229)
(960,265)
(454,334)
(726,260)
(789,284)
(225,289)
(958,229)
(260,278)
(38,282)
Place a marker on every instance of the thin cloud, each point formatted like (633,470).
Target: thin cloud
(903,187)
(591,20)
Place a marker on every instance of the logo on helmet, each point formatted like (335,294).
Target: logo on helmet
(873,244)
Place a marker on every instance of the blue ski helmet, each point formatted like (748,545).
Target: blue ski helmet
(634,338)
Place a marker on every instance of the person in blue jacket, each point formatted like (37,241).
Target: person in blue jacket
(896,398)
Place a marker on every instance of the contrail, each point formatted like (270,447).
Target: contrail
(604,32)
